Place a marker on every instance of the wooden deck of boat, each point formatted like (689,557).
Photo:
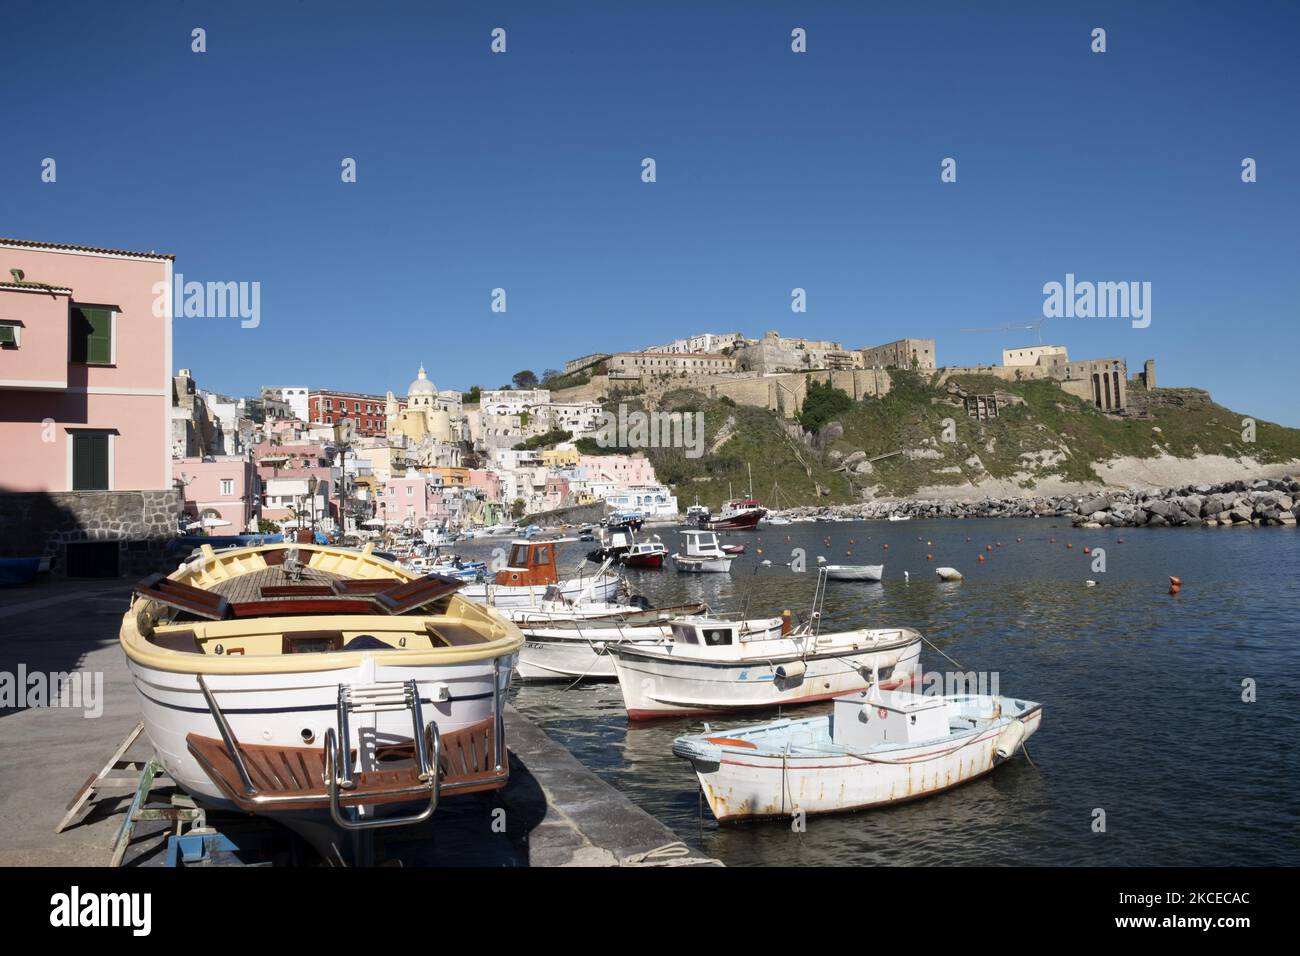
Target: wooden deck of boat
(247,588)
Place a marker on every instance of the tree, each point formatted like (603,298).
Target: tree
(524,379)
(822,403)
(474,395)
(517,508)
(550,375)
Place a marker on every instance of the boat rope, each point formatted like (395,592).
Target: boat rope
(676,853)
(1025,749)
(941,653)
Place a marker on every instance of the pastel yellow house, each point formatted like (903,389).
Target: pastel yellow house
(561,457)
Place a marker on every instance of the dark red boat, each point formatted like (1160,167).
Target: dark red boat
(647,554)
(737,515)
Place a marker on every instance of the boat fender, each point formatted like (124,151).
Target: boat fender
(1013,734)
(791,671)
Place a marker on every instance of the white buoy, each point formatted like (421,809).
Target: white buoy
(1013,734)
(1091,584)
(948,574)
(907,578)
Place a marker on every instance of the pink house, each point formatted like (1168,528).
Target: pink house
(625,471)
(85,405)
(412,499)
(220,489)
(486,481)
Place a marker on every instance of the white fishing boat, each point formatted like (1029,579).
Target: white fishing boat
(580,650)
(775,520)
(702,554)
(326,687)
(532,570)
(876,748)
(854,572)
(710,667)
(900,517)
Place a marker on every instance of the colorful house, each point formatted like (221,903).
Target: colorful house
(85,406)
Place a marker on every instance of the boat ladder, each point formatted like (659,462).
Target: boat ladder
(374,698)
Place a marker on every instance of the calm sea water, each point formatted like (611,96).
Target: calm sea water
(1142,693)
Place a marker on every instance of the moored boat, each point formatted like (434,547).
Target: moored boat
(738,515)
(532,570)
(702,554)
(854,572)
(712,666)
(326,687)
(876,748)
(644,554)
(580,650)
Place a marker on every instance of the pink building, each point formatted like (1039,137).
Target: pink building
(486,481)
(412,499)
(220,489)
(85,406)
(625,471)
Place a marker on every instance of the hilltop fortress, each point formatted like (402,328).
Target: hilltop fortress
(773,371)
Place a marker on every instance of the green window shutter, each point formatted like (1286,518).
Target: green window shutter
(89,462)
(91,335)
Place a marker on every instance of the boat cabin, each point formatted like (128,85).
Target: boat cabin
(705,632)
(702,544)
(531,563)
(871,718)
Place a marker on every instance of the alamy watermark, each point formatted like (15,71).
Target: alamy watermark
(78,689)
(1098,300)
(210,300)
(637,429)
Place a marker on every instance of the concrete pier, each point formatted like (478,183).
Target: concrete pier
(554,812)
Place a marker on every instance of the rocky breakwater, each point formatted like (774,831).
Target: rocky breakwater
(1265,501)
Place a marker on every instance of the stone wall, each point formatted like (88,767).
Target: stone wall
(44,524)
(577,514)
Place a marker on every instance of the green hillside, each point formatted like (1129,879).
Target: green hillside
(1040,432)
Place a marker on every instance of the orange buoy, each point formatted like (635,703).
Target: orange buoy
(885,546)
(1087,550)
(988,547)
(1175,584)
(1070,546)
(929,557)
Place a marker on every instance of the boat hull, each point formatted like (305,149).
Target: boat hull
(753,785)
(858,572)
(656,686)
(605,588)
(649,560)
(718,565)
(745,521)
(276,708)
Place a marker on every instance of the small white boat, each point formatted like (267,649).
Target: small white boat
(876,748)
(581,650)
(855,572)
(775,520)
(712,667)
(702,554)
(900,517)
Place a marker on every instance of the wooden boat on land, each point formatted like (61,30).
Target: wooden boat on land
(876,748)
(531,572)
(321,686)
(702,554)
(855,572)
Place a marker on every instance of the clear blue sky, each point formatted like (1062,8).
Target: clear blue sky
(775,170)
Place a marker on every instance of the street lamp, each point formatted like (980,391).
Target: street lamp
(343,442)
(312,482)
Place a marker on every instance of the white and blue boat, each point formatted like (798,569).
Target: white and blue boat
(876,748)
